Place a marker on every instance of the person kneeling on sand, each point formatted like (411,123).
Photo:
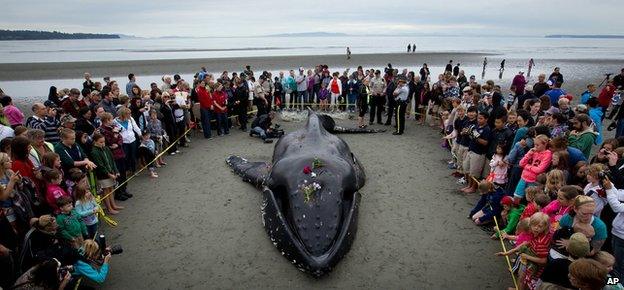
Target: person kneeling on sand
(261,126)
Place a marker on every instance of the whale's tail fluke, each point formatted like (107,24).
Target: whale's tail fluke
(343,130)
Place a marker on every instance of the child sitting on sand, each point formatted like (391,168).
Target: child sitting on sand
(533,252)
(488,205)
(510,216)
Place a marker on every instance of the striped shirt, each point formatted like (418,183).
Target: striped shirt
(34,122)
(51,126)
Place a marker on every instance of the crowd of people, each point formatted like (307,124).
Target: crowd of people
(528,155)
(66,166)
(547,178)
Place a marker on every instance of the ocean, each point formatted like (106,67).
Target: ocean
(515,49)
(182,48)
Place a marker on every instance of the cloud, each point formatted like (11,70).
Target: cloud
(255,17)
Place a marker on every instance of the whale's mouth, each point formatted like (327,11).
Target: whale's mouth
(277,220)
(305,233)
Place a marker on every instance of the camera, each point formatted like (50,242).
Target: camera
(602,175)
(608,75)
(114,250)
(63,271)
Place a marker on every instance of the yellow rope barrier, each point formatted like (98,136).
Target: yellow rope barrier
(500,238)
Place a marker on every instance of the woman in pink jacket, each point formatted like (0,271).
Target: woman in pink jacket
(534,163)
(13,114)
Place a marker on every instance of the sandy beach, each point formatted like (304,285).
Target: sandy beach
(36,78)
(64,70)
(199,226)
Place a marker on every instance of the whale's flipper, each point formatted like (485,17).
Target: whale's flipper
(252,172)
(343,130)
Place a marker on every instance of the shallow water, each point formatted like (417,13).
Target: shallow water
(182,48)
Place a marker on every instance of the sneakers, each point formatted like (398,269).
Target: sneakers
(268,141)
(461,181)
(452,166)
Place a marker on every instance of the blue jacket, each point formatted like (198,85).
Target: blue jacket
(83,269)
(585,97)
(554,95)
(596,115)
(489,204)
(576,155)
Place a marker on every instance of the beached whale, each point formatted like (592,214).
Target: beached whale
(310,195)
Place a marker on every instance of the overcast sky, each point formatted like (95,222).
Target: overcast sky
(255,17)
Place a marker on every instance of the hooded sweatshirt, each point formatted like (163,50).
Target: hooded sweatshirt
(596,115)
(534,163)
(583,141)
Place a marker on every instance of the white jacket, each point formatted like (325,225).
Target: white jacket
(615,198)
(128,133)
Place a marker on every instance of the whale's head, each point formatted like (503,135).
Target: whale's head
(312,202)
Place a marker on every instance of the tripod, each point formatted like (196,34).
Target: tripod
(605,80)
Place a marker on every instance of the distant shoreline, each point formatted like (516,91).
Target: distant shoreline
(585,36)
(71,70)
(8,35)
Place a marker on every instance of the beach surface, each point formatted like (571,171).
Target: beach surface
(65,70)
(199,225)
(29,82)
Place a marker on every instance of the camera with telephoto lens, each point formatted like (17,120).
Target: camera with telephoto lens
(114,250)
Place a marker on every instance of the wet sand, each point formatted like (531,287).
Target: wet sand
(199,225)
(68,70)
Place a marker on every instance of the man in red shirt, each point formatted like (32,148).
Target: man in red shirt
(220,109)
(604,99)
(206,106)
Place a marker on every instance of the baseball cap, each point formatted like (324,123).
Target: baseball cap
(67,119)
(551,111)
(467,89)
(50,104)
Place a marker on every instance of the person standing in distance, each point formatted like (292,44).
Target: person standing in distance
(400,94)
